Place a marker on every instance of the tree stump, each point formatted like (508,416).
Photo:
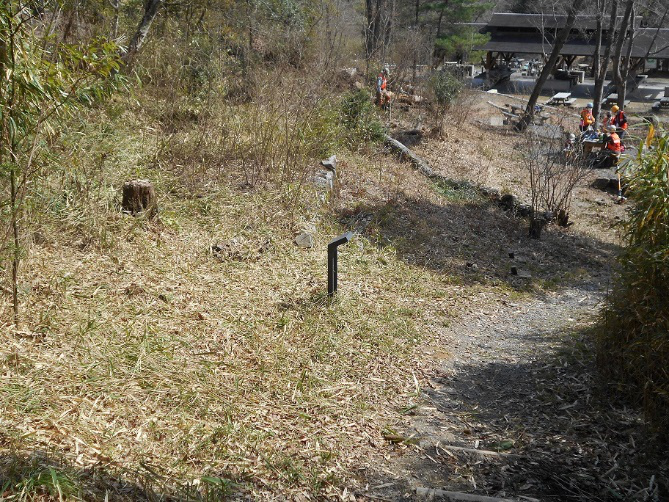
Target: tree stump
(139,196)
(536,226)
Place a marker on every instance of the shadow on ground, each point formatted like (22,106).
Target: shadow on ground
(553,431)
(470,239)
(39,475)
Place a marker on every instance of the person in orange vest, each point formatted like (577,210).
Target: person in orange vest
(611,150)
(587,118)
(619,120)
(382,97)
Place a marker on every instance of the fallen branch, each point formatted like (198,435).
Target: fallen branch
(479,452)
(431,493)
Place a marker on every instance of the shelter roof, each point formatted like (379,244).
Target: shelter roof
(542,21)
(648,42)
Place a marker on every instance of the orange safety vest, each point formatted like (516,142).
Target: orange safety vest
(383,80)
(619,120)
(614,143)
(586,117)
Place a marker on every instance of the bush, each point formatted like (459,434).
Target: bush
(358,116)
(446,88)
(633,341)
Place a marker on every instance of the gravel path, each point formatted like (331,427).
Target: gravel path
(516,414)
(513,408)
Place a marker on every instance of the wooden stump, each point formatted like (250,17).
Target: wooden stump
(536,226)
(138,196)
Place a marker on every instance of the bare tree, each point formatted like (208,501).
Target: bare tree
(620,68)
(151,8)
(604,64)
(554,172)
(559,42)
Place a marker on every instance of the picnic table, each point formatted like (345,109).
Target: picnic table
(612,99)
(562,98)
(590,144)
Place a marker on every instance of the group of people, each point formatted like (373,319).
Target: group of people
(613,128)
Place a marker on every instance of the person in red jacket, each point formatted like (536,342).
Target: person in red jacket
(619,120)
(610,154)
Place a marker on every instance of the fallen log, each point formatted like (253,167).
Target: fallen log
(420,163)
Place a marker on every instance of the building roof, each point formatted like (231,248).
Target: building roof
(543,21)
(648,42)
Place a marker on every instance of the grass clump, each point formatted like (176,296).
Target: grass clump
(633,349)
(458,191)
(359,119)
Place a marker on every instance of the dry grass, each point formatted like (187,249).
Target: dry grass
(149,366)
(149,360)
(491,156)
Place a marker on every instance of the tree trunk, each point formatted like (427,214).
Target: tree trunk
(369,30)
(376,32)
(389,17)
(415,49)
(618,77)
(116,6)
(151,8)
(561,38)
(139,196)
(16,251)
(601,7)
(603,68)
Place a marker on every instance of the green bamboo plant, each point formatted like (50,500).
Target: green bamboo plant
(634,339)
(41,79)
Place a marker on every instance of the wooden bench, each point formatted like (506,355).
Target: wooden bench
(569,102)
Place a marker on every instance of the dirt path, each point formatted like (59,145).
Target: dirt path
(513,409)
(515,413)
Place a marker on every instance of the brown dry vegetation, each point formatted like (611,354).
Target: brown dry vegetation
(150,365)
(147,359)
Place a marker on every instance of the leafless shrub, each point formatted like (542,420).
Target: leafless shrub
(555,167)
(463,108)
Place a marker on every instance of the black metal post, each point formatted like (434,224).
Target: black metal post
(332,260)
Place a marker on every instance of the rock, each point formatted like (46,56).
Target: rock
(508,202)
(304,240)
(491,193)
(472,266)
(411,137)
(496,121)
(324,179)
(330,164)
(601,183)
(524,274)
(524,210)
